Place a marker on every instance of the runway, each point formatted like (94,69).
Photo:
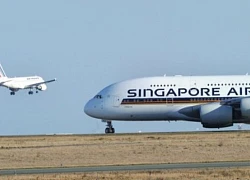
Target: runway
(124,168)
(122,134)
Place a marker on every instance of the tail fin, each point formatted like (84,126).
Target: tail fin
(2,73)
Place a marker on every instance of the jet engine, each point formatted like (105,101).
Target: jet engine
(42,87)
(214,115)
(245,107)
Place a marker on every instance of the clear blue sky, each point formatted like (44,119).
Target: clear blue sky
(90,44)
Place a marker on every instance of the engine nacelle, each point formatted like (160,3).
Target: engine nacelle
(215,115)
(245,107)
(42,87)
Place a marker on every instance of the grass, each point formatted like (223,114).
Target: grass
(66,151)
(57,151)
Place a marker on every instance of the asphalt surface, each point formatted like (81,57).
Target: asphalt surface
(122,134)
(124,168)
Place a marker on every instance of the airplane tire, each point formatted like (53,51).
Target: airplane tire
(110,130)
(107,130)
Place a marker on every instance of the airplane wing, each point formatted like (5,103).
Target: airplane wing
(37,84)
(1,83)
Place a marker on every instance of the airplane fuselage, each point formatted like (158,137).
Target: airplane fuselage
(191,98)
(18,83)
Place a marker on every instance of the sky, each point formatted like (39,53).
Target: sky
(89,44)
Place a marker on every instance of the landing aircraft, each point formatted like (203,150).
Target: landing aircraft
(214,101)
(18,83)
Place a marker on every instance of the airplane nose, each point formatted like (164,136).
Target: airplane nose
(91,108)
(94,108)
(88,109)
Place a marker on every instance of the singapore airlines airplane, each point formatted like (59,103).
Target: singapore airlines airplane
(18,83)
(214,101)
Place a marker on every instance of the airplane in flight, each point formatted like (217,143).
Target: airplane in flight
(18,83)
(214,101)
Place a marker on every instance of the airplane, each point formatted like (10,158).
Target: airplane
(18,83)
(214,101)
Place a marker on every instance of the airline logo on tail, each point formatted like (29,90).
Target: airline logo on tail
(2,73)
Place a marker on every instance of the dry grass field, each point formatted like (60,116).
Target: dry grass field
(71,150)
(64,151)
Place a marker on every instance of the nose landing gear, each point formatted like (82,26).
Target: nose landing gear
(109,129)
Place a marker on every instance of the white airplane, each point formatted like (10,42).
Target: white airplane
(214,101)
(18,83)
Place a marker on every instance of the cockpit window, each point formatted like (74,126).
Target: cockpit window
(98,96)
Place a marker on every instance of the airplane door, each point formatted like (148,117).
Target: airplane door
(116,101)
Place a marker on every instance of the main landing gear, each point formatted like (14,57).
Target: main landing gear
(109,129)
(12,93)
(31,92)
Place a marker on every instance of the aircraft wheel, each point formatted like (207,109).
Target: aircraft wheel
(30,92)
(110,130)
(107,130)
(12,93)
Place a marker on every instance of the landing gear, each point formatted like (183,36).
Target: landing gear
(31,91)
(12,93)
(109,129)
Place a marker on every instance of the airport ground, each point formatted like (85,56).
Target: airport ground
(120,149)
(187,174)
